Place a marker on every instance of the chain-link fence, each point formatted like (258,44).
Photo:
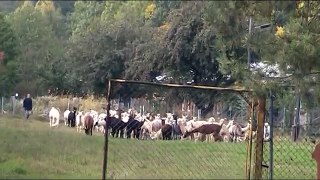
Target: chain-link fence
(197,156)
(178,139)
(295,133)
(11,105)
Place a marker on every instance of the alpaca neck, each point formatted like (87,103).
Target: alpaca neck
(194,130)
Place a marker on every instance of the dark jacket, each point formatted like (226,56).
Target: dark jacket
(27,104)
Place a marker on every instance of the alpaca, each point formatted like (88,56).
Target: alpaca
(213,129)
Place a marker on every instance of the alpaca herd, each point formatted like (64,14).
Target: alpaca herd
(131,124)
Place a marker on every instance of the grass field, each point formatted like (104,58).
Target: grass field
(31,150)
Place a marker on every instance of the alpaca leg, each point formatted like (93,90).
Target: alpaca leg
(138,134)
(127,134)
(192,137)
(122,133)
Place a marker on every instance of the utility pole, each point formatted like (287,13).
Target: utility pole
(248,47)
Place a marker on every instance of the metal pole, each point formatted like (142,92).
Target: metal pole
(2,102)
(248,48)
(13,105)
(68,103)
(105,156)
(297,118)
(272,98)
(284,120)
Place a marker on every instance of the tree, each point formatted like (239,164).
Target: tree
(85,12)
(38,45)
(8,49)
(65,6)
(184,48)
(106,42)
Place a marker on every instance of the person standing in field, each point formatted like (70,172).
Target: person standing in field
(27,105)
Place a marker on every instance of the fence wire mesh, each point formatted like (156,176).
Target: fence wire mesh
(197,156)
(175,160)
(11,105)
(292,159)
(165,151)
(294,140)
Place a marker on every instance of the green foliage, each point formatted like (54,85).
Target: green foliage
(37,42)
(84,13)
(163,9)
(75,46)
(65,6)
(8,41)
(8,46)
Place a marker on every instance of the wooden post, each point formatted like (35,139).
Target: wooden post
(259,140)
(249,143)
(105,157)
(316,156)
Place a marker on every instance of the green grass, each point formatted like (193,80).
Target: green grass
(33,150)
(292,160)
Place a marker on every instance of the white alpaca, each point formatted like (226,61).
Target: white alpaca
(79,121)
(54,117)
(101,117)
(65,116)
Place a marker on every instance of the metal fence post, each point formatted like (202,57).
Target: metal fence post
(2,102)
(284,121)
(13,104)
(272,98)
(68,104)
(105,156)
(296,122)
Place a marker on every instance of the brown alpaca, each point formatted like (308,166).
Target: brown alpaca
(213,129)
(166,130)
(88,124)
